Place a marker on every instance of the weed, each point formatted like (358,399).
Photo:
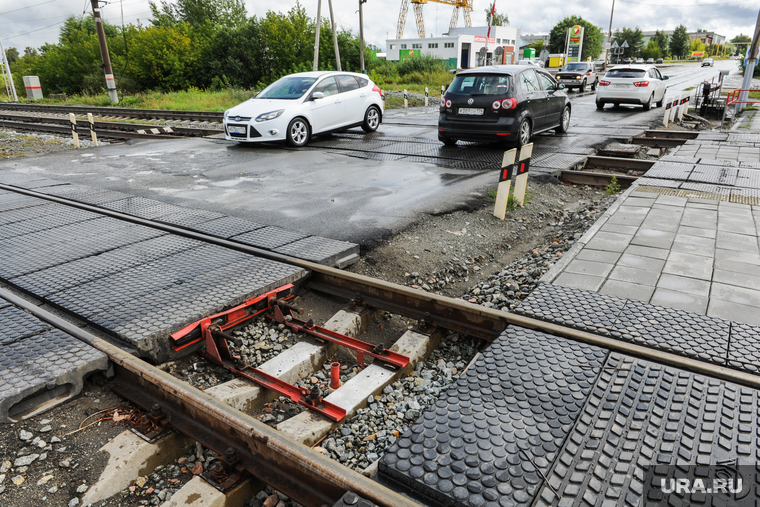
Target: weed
(613,187)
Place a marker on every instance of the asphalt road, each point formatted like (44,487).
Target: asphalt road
(325,191)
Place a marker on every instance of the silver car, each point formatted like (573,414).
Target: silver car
(632,84)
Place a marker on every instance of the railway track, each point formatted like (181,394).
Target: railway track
(298,471)
(54,119)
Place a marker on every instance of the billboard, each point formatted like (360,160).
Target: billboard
(575,43)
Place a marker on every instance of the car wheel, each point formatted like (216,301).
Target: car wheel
(599,105)
(564,121)
(449,141)
(583,86)
(648,104)
(661,101)
(524,132)
(594,84)
(371,119)
(298,132)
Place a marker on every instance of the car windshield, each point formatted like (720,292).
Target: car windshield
(288,88)
(480,84)
(626,73)
(575,66)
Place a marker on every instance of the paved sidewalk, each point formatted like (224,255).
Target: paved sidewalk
(686,237)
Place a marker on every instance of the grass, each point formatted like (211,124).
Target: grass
(511,202)
(613,187)
(191,100)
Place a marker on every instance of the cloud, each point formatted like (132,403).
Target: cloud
(40,24)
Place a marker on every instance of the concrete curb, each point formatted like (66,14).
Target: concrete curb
(560,266)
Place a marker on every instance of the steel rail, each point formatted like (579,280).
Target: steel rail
(595,179)
(102,133)
(210,116)
(448,313)
(295,470)
(111,125)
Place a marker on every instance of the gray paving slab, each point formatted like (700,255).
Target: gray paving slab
(619,228)
(739,242)
(589,268)
(640,276)
(648,251)
(731,310)
(672,200)
(706,205)
(627,290)
(641,262)
(738,267)
(587,254)
(734,256)
(680,300)
(642,195)
(645,202)
(609,241)
(489,439)
(40,367)
(738,279)
(738,226)
(660,223)
(653,238)
(622,430)
(693,266)
(697,231)
(693,245)
(576,281)
(626,220)
(733,293)
(684,284)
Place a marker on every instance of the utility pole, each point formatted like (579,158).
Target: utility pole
(609,37)
(335,36)
(110,83)
(361,35)
(316,37)
(749,69)
(9,87)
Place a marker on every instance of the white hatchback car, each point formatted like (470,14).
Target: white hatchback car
(297,106)
(632,84)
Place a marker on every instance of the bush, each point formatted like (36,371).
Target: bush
(422,64)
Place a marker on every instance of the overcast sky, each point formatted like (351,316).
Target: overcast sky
(35,22)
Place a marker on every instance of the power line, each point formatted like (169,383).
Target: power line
(682,5)
(27,7)
(37,30)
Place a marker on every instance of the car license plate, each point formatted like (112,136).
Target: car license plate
(621,86)
(471,111)
(234,129)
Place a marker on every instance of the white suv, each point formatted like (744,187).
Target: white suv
(632,84)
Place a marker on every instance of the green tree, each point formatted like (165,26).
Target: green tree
(635,39)
(651,50)
(680,42)
(742,38)
(592,37)
(697,46)
(538,45)
(228,13)
(498,19)
(662,40)
(12,55)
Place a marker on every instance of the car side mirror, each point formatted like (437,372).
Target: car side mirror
(560,86)
(665,77)
(317,95)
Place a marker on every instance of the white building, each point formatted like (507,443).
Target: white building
(460,46)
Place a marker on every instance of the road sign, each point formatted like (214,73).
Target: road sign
(575,44)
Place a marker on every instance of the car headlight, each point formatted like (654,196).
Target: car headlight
(226,114)
(270,115)
(577,77)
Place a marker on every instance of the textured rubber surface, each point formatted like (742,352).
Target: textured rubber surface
(641,414)
(268,238)
(579,309)
(670,171)
(744,348)
(40,367)
(317,249)
(714,174)
(226,227)
(489,439)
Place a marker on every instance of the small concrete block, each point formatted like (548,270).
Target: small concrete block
(693,266)
(629,220)
(672,200)
(730,310)
(648,251)
(130,457)
(576,281)
(308,427)
(680,300)
(643,195)
(620,228)
(640,276)
(653,238)
(734,256)
(738,267)
(738,226)
(660,224)
(627,290)
(199,492)
(589,268)
(747,242)
(587,254)
(637,261)
(638,202)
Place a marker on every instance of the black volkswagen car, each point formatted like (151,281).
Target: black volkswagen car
(502,103)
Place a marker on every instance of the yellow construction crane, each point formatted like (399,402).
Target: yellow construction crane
(465,5)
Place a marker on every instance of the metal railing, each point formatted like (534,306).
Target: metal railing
(734,97)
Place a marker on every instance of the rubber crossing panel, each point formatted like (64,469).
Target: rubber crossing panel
(492,436)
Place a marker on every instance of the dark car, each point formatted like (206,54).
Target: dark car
(578,75)
(708,62)
(504,103)
(659,60)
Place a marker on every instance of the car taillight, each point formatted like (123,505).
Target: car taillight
(448,102)
(604,83)
(377,89)
(509,103)
(496,104)
(641,84)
